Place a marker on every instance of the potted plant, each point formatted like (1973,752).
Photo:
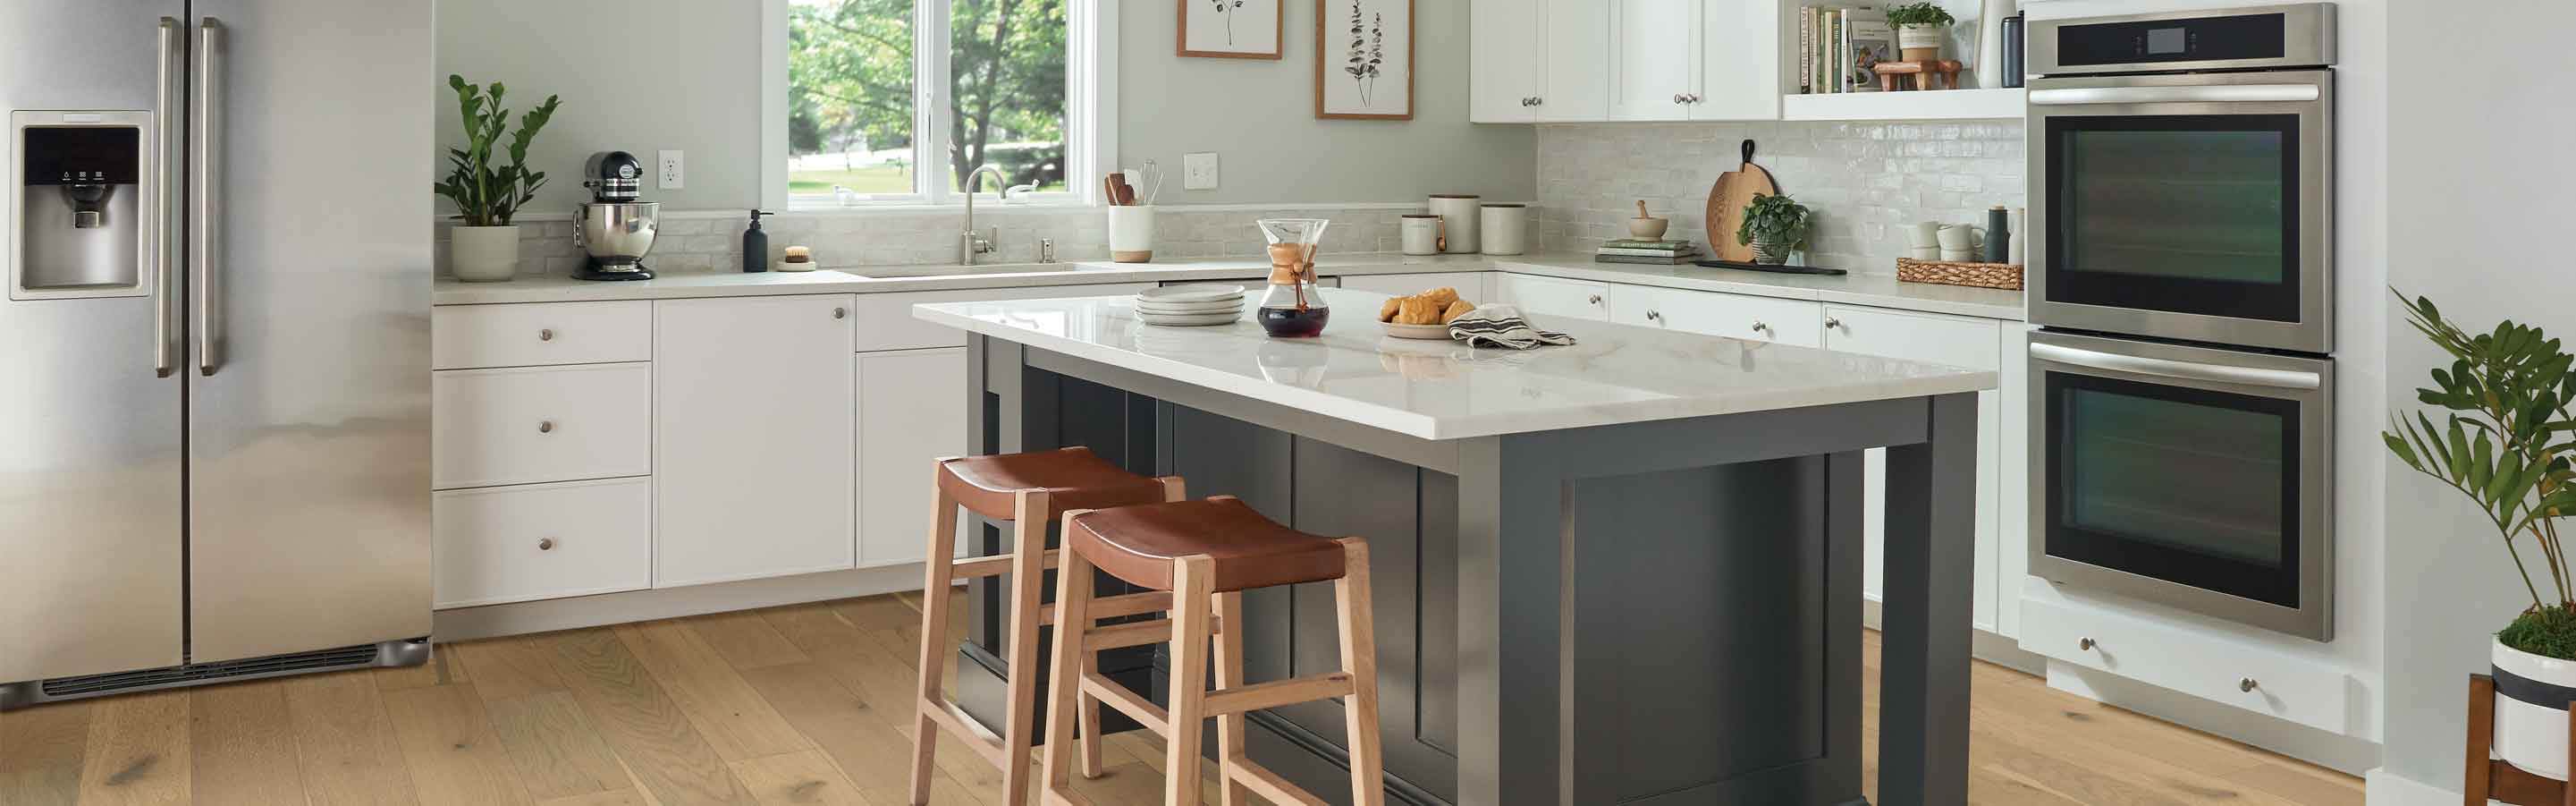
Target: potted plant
(1920,30)
(1774,225)
(484,246)
(2505,441)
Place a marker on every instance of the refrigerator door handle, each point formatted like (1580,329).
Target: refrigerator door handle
(202,226)
(165,308)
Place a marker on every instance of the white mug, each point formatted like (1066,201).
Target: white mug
(1423,233)
(1923,235)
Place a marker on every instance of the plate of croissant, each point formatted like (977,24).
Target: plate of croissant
(1423,316)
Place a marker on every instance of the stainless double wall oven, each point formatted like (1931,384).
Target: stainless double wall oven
(2181,265)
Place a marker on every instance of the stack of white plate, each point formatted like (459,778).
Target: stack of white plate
(1190,305)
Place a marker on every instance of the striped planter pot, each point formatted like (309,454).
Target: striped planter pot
(2531,697)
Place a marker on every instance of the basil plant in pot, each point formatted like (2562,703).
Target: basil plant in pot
(484,245)
(1773,226)
(2504,440)
(1920,29)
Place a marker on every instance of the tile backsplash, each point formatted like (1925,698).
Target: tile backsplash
(711,241)
(1864,180)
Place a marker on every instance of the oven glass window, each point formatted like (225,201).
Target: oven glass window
(2184,485)
(2193,214)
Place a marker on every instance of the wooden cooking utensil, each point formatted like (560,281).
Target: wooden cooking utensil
(1726,202)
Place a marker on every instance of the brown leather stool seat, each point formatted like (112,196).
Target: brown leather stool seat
(1139,543)
(1073,478)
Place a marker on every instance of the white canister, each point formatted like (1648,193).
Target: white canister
(1505,228)
(1422,233)
(1459,212)
(1131,234)
(483,254)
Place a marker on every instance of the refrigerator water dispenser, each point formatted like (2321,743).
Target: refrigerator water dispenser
(79,221)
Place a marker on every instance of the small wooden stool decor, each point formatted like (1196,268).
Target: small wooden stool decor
(1928,75)
(2498,779)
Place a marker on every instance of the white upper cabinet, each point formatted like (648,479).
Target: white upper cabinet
(1576,71)
(1739,60)
(1657,72)
(1506,59)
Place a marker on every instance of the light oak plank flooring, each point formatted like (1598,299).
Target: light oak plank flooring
(808,704)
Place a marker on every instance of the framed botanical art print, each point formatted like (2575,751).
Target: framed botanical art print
(1364,59)
(1233,29)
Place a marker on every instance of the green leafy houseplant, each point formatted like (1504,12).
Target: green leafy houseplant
(1773,225)
(2504,441)
(486,192)
(1911,15)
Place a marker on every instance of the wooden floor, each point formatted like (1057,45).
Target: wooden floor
(806,705)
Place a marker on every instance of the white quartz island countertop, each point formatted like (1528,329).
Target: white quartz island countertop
(1447,390)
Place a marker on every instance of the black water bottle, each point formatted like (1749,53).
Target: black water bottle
(755,245)
(2013,50)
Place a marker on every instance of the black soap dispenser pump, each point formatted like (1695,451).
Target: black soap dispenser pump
(755,245)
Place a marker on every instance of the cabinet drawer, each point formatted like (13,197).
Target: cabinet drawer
(1787,321)
(885,321)
(519,426)
(1553,296)
(2201,664)
(544,541)
(1957,341)
(1470,284)
(538,334)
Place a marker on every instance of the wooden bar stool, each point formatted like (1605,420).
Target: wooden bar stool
(1206,553)
(1028,489)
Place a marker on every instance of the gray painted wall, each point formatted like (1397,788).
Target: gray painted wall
(694,85)
(1259,117)
(689,79)
(2480,230)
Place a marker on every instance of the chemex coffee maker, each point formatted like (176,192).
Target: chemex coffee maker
(613,227)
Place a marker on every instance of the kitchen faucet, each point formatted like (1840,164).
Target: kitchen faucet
(968,243)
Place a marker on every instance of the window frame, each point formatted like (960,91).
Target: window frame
(1091,111)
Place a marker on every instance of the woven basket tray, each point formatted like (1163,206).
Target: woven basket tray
(2006,276)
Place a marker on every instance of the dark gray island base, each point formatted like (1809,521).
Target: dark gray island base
(1663,612)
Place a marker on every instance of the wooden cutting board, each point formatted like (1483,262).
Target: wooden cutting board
(1726,202)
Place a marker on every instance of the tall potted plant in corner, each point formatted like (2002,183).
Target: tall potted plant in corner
(2504,441)
(1920,30)
(1774,225)
(484,245)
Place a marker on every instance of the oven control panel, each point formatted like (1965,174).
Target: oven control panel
(2265,37)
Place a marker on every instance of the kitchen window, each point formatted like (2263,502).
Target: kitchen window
(870,103)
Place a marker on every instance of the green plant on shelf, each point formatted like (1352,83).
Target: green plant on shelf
(486,192)
(1775,219)
(1911,15)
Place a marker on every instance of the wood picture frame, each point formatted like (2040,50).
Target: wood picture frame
(1205,17)
(1352,60)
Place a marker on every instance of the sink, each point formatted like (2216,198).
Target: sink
(982,270)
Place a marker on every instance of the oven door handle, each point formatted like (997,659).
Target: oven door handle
(2220,93)
(2185,370)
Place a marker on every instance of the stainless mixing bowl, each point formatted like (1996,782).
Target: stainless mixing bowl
(615,234)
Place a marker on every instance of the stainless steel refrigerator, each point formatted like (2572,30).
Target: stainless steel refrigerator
(214,360)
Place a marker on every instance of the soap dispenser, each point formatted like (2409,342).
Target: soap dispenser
(755,245)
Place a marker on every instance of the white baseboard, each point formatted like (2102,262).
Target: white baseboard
(465,624)
(2390,789)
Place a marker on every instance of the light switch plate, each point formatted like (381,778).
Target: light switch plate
(671,175)
(1198,171)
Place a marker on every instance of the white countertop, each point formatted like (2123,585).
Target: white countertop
(1448,390)
(1877,290)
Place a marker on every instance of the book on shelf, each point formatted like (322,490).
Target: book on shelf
(1867,40)
(1687,252)
(1840,46)
(1651,261)
(1634,243)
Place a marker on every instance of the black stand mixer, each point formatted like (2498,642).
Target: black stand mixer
(613,227)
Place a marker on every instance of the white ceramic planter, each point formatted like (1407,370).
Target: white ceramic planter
(1913,39)
(2531,735)
(483,254)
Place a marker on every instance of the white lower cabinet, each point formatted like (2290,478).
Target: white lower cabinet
(752,431)
(543,541)
(1958,341)
(533,424)
(912,409)
(1550,296)
(1471,285)
(2193,661)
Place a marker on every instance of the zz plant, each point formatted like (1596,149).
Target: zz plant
(2504,441)
(487,193)
(1912,15)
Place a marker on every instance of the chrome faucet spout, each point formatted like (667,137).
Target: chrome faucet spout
(968,243)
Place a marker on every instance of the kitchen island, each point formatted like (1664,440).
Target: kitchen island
(1624,571)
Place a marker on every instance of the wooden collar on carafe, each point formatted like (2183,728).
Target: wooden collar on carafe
(1291,264)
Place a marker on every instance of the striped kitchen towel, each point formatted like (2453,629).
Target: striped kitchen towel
(1502,326)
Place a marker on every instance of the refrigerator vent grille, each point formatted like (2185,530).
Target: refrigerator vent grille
(352,656)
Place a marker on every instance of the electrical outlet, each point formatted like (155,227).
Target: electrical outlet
(670,173)
(1198,171)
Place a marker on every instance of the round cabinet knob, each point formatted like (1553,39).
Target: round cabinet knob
(2084,643)
(1833,322)
(547,334)
(546,426)
(2246,685)
(840,313)
(1538,100)
(1760,327)
(1655,316)
(1677,98)
(1594,299)
(545,544)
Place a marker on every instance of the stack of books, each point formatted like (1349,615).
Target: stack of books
(1839,48)
(1630,251)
